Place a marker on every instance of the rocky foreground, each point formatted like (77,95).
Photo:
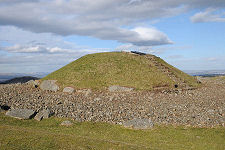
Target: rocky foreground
(202,107)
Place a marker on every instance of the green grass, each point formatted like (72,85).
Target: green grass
(100,70)
(48,134)
(190,80)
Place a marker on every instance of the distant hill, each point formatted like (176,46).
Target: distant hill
(8,76)
(142,72)
(19,80)
(206,73)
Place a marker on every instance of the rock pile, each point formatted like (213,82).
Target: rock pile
(203,107)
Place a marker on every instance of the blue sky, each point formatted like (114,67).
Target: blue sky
(42,36)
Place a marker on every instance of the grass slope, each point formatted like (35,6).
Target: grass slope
(100,70)
(48,134)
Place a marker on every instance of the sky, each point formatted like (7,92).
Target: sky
(45,35)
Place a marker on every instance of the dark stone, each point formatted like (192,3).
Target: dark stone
(176,86)
(139,53)
(5,107)
(19,80)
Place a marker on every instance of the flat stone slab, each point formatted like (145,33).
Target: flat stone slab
(116,88)
(49,85)
(66,123)
(68,90)
(21,113)
(139,124)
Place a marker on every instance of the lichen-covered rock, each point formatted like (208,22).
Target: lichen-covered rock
(47,113)
(66,123)
(49,85)
(33,83)
(116,88)
(68,90)
(39,116)
(139,124)
(21,113)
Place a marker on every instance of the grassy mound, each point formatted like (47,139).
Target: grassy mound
(100,70)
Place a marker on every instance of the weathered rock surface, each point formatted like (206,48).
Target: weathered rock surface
(49,85)
(116,88)
(68,90)
(202,107)
(66,123)
(34,83)
(139,124)
(45,113)
(39,116)
(21,113)
(86,92)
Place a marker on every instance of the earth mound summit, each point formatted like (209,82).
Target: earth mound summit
(141,72)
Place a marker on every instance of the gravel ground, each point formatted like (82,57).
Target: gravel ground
(202,107)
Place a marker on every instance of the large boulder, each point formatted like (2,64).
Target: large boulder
(49,85)
(139,124)
(45,113)
(116,88)
(21,113)
(33,83)
(38,116)
(68,90)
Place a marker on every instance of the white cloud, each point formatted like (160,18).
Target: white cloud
(131,47)
(35,49)
(103,19)
(209,15)
(150,34)
(33,31)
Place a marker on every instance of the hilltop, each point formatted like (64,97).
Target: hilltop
(100,70)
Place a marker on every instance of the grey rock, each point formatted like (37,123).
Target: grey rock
(68,90)
(88,92)
(39,116)
(66,123)
(139,124)
(199,79)
(49,85)
(21,113)
(46,113)
(34,83)
(116,88)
